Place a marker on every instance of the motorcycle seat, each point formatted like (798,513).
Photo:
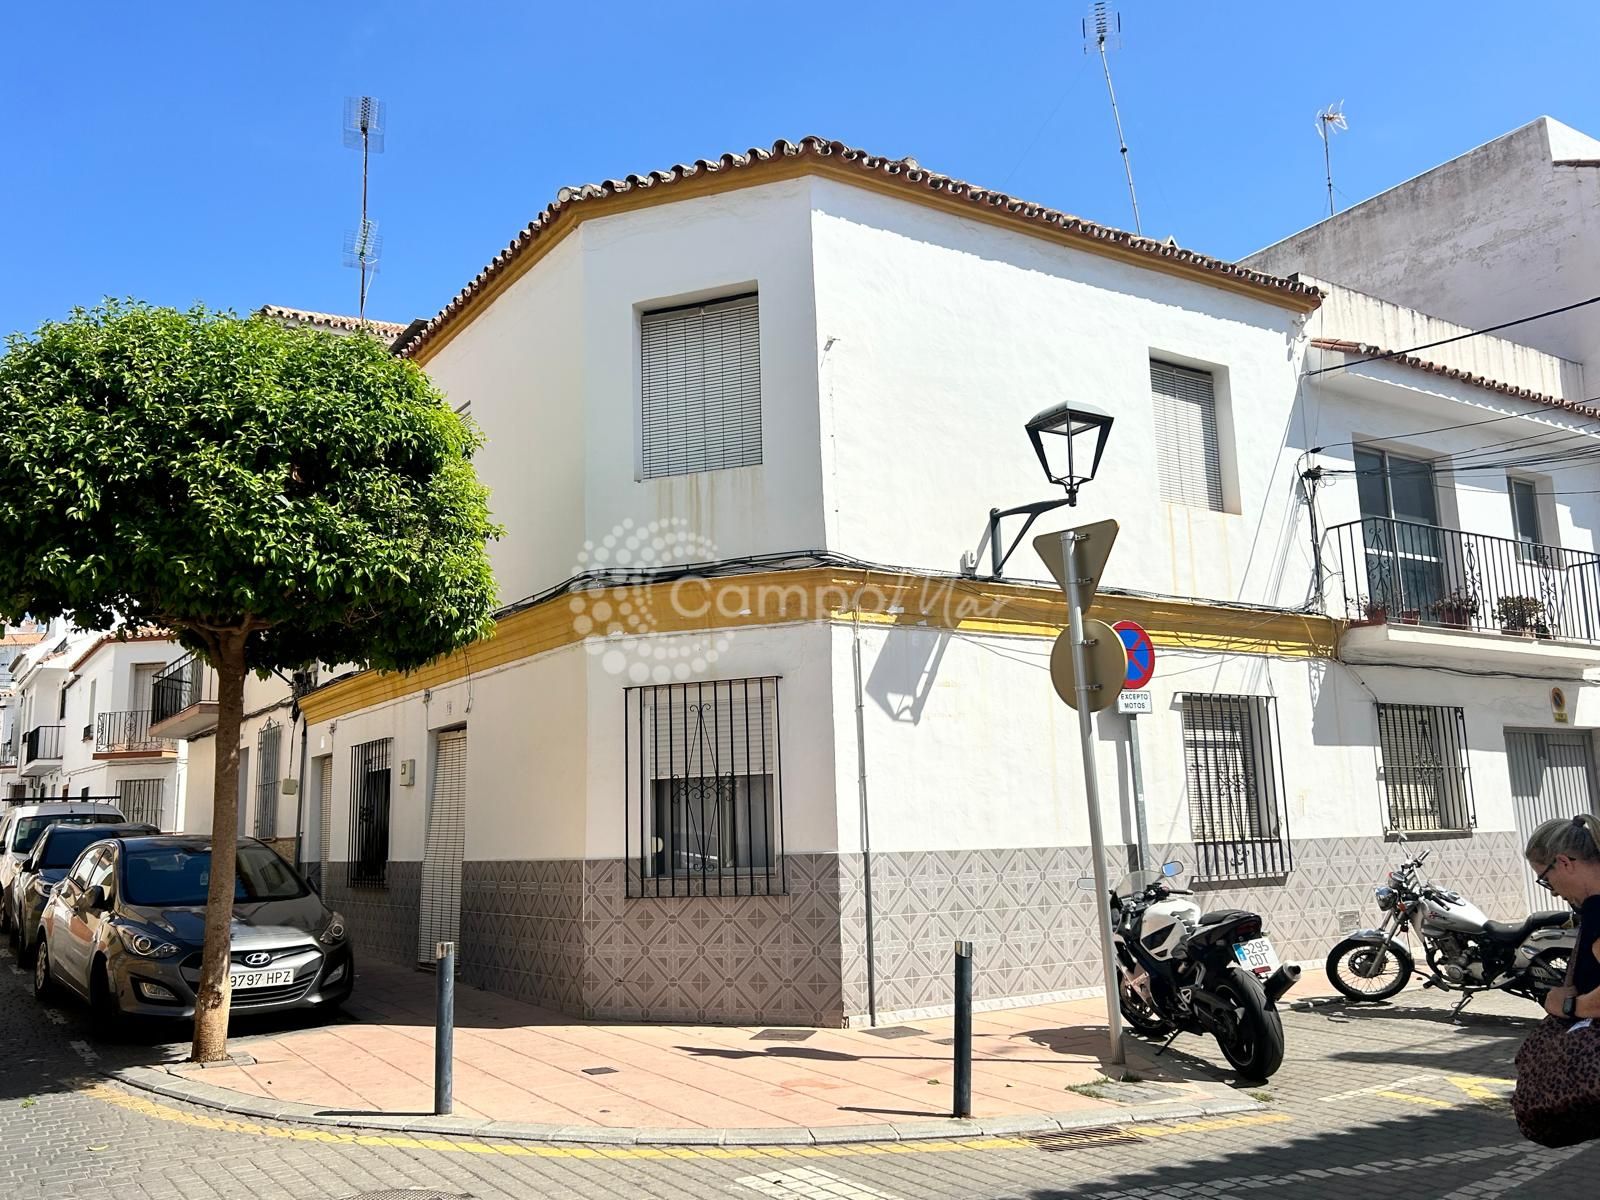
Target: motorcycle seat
(1513,932)
(1223,914)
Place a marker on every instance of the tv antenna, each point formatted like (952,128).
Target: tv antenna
(1101,26)
(1330,121)
(363,130)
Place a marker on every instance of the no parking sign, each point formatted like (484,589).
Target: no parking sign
(1141,654)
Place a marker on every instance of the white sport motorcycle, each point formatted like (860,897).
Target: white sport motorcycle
(1180,970)
(1464,950)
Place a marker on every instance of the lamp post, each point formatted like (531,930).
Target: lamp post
(1061,437)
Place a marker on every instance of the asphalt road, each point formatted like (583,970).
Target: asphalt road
(1383,1100)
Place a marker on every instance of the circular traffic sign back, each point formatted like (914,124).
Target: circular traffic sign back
(1141,654)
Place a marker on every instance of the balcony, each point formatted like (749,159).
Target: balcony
(1419,593)
(41,750)
(183,699)
(127,735)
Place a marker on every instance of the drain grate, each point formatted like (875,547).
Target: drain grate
(782,1035)
(896,1031)
(599,1070)
(1086,1138)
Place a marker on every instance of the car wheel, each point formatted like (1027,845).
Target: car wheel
(26,949)
(44,987)
(103,1000)
(6,925)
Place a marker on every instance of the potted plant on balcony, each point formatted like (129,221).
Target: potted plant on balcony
(1374,612)
(1519,616)
(1455,610)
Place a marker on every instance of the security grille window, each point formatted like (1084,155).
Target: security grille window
(701,388)
(705,793)
(140,800)
(1426,781)
(369,812)
(1188,453)
(1234,777)
(267,742)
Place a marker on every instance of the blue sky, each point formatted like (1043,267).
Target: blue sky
(190,152)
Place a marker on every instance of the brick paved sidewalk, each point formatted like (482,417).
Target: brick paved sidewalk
(518,1063)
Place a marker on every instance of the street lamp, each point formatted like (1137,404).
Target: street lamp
(1061,437)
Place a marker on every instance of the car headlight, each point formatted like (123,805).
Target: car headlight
(334,932)
(137,941)
(1386,898)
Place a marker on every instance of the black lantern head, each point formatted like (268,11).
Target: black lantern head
(1069,440)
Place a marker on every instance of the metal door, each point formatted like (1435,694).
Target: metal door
(1552,775)
(445,847)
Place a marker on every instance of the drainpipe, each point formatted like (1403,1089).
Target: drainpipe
(866,825)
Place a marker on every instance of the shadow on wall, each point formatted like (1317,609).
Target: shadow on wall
(904,672)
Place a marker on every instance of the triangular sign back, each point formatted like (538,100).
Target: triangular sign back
(1093,550)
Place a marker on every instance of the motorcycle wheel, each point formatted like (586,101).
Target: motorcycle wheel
(1361,971)
(1547,970)
(1254,1044)
(1141,1018)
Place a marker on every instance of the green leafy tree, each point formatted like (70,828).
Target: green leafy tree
(274,496)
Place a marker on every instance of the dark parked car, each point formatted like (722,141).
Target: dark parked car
(47,864)
(125,929)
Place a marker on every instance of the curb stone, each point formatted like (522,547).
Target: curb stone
(164,1083)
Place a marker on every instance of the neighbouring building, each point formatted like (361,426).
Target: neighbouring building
(754,743)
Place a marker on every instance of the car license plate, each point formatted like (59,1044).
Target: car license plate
(257,979)
(1257,955)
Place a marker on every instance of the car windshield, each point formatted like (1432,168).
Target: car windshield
(61,848)
(177,876)
(29,828)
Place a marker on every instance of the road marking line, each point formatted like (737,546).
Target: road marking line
(83,1050)
(164,1112)
(1378,1088)
(811,1183)
(1408,1098)
(54,1017)
(1486,1090)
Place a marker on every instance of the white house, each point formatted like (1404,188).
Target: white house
(750,744)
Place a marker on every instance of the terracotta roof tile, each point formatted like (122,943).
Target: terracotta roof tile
(389,330)
(840,159)
(1366,350)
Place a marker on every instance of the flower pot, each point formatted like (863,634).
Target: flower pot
(1542,632)
(1520,631)
(1410,616)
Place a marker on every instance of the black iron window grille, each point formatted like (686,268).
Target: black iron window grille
(704,804)
(1427,783)
(140,800)
(1233,767)
(369,813)
(267,743)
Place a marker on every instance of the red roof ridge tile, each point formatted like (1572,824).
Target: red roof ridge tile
(389,329)
(1483,381)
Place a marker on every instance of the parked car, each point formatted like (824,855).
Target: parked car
(47,864)
(22,824)
(125,929)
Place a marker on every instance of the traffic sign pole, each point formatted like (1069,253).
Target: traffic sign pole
(1141,666)
(1070,540)
(1136,770)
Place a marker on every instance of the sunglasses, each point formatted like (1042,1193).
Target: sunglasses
(1540,877)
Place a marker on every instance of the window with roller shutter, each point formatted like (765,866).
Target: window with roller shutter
(701,388)
(1188,450)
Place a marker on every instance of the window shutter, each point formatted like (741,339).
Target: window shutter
(1188,458)
(701,388)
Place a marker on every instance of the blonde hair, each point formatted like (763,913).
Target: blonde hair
(1577,837)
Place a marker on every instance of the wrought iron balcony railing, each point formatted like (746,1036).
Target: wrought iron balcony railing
(1401,572)
(187,682)
(43,742)
(128,733)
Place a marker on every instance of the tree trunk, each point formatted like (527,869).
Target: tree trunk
(214,994)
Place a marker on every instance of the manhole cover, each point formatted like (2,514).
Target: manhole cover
(782,1035)
(1080,1139)
(896,1031)
(599,1070)
(410,1194)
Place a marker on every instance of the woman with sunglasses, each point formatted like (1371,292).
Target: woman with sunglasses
(1565,853)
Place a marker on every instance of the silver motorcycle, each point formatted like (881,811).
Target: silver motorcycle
(1463,949)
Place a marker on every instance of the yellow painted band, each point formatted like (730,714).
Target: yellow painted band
(831,594)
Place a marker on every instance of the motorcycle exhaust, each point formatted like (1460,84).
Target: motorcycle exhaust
(1281,980)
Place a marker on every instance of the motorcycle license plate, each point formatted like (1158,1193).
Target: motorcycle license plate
(1257,955)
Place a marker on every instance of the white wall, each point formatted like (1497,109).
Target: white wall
(952,334)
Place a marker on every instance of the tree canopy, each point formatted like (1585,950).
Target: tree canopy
(204,472)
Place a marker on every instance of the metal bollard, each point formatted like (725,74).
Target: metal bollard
(963,1040)
(444,1029)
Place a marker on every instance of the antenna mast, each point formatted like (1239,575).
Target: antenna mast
(363,129)
(1329,121)
(1102,25)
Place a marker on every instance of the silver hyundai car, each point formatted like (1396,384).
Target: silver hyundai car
(125,929)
